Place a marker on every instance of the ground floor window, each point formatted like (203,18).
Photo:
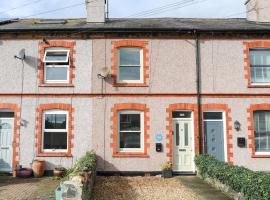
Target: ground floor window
(262,131)
(130,130)
(55,130)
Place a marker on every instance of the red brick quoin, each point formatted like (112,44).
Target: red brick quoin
(16,134)
(248,46)
(130,43)
(129,106)
(38,144)
(64,44)
(251,137)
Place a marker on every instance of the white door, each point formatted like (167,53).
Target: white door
(6,137)
(182,145)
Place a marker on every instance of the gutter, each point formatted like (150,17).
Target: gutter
(198,87)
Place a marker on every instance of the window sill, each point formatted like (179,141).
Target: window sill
(48,154)
(56,85)
(130,85)
(130,155)
(261,156)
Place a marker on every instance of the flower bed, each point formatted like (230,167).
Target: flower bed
(254,185)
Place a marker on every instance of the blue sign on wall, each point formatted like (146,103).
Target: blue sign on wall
(159,137)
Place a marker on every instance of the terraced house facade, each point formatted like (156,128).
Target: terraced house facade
(138,91)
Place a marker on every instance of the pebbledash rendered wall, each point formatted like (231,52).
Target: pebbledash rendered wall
(19,77)
(172,81)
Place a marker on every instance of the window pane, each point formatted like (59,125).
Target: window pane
(54,140)
(130,122)
(181,114)
(55,121)
(129,73)
(56,73)
(130,140)
(262,131)
(260,56)
(212,115)
(6,114)
(177,135)
(186,134)
(58,56)
(129,56)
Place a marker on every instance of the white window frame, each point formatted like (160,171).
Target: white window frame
(50,64)
(256,83)
(56,50)
(135,150)
(259,153)
(54,130)
(141,66)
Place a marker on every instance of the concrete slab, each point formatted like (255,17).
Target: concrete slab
(203,190)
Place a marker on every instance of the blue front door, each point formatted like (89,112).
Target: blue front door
(214,136)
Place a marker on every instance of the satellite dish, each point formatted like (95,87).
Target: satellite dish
(104,73)
(21,55)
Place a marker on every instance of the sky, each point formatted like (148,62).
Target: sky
(123,8)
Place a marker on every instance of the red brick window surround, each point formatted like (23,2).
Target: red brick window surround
(247,50)
(169,110)
(16,135)
(115,130)
(251,128)
(227,110)
(143,45)
(59,44)
(39,129)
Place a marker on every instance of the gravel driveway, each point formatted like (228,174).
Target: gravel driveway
(140,188)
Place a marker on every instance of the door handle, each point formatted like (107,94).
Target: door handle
(182,150)
(4,147)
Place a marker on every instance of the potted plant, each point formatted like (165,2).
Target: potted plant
(59,171)
(167,170)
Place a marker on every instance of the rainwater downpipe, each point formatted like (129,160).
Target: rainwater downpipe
(198,87)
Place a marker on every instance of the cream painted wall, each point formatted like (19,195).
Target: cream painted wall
(82,129)
(13,70)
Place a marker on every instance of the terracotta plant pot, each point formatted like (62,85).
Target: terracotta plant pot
(59,173)
(24,172)
(38,167)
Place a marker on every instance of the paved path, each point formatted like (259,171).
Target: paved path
(27,189)
(140,188)
(203,190)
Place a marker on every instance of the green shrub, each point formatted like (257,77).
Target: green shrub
(254,185)
(85,163)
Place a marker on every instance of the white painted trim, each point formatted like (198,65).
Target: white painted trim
(129,150)
(56,66)
(55,111)
(56,61)
(193,168)
(141,66)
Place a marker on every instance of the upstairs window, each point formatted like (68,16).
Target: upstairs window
(55,131)
(130,65)
(56,65)
(260,65)
(262,132)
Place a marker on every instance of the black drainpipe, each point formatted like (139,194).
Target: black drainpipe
(198,86)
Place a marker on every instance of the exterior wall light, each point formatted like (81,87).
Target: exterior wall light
(237,125)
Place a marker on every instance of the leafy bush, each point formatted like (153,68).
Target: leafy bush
(167,166)
(254,185)
(85,163)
